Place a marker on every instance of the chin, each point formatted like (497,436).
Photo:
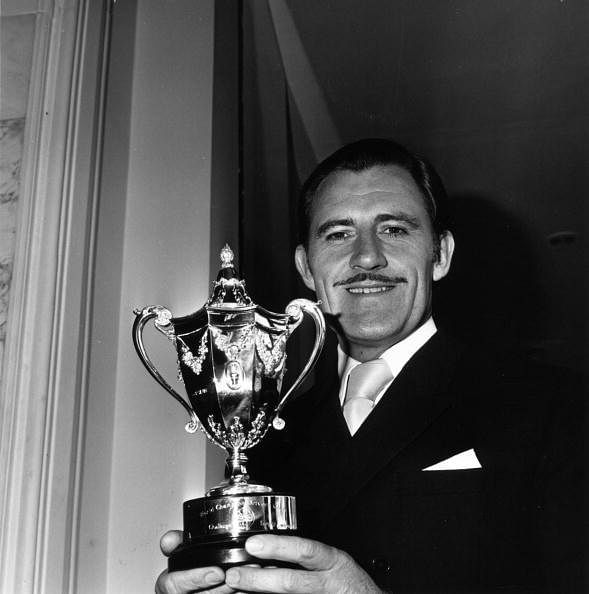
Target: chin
(374,332)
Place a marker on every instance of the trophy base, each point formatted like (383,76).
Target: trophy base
(216,528)
(224,554)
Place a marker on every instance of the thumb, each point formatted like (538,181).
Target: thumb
(170,540)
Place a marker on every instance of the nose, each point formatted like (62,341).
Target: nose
(368,254)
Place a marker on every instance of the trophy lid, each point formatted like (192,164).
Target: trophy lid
(229,290)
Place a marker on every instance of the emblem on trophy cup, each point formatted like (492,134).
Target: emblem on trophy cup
(231,359)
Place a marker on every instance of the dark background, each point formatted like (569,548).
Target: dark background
(495,94)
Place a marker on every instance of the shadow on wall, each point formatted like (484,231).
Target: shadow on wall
(493,293)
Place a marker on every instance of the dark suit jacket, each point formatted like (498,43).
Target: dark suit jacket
(511,526)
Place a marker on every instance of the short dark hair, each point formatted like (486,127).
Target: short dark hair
(374,152)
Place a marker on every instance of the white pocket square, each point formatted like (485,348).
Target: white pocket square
(463,461)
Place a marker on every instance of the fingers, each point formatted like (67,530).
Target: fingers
(326,569)
(274,580)
(309,554)
(182,582)
(170,540)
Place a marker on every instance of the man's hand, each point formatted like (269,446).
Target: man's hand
(325,569)
(203,579)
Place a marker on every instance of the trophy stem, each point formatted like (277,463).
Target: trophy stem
(236,465)
(237,481)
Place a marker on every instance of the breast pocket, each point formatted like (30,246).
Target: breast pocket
(432,482)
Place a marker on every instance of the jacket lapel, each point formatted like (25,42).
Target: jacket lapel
(416,398)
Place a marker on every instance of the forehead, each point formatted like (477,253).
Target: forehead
(368,191)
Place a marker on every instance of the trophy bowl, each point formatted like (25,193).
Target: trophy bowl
(231,358)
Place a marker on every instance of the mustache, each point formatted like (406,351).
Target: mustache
(369,276)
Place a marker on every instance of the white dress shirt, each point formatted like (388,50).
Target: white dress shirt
(395,356)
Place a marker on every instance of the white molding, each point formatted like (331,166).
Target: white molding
(98,94)
(47,334)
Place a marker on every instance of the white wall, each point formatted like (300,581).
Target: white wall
(153,247)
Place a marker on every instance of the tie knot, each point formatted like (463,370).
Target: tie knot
(368,379)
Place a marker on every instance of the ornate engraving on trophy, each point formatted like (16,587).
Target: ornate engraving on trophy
(233,375)
(195,363)
(231,358)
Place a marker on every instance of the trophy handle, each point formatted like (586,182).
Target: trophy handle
(295,309)
(162,322)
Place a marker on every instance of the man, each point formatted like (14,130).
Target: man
(431,467)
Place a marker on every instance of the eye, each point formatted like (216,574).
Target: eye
(394,231)
(337,235)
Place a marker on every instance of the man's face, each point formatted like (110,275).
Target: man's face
(370,256)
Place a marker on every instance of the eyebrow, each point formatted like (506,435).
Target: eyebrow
(409,220)
(324,227)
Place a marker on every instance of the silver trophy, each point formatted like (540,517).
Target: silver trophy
(231,359)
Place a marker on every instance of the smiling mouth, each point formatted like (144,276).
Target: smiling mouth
(368,290)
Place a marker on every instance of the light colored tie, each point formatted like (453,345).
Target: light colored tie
(364,384)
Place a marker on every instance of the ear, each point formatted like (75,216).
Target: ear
(302,264)
(442,264)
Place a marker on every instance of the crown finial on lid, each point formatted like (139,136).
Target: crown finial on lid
(226,257)
(228,290)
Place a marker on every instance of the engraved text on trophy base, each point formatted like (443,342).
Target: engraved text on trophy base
(238,514)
